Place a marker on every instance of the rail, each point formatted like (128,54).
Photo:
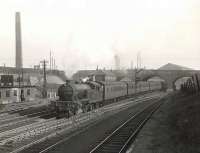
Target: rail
(64,124)
(121,138)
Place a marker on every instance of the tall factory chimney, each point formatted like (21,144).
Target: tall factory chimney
(18,41)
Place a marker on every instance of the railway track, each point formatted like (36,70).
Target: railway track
(15,118)
(18,106)
(44,147)
(25,131)
(20,121)
(124,135)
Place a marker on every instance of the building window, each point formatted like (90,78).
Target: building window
(15,92)
(7,93)
(28,91)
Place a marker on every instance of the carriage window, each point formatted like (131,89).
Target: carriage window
(15,92)
(7,93)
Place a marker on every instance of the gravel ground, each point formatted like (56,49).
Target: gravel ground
(4,108)
(174,128)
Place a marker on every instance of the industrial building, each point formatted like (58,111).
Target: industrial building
(24,84)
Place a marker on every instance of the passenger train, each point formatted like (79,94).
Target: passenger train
(76,97)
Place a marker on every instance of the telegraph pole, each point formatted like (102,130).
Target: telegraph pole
(135,79)
(22,83)
(44,79)
(138,69)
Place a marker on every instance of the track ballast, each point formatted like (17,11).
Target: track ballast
(120,139)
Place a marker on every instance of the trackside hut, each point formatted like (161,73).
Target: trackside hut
(13,90)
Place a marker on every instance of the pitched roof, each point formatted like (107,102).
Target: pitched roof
(94,72)
(171,66)
(51,79)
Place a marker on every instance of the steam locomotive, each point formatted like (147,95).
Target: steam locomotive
(76,97)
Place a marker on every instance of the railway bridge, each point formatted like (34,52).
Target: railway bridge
(169,76)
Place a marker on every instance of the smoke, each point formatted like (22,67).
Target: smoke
(73,58)
(68,49)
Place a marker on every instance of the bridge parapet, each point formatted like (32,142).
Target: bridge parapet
(170,76)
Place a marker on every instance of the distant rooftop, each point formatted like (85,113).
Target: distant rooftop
(171,66)
(32,71)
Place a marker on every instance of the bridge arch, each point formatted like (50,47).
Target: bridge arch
(153,77)
(170,76)
(178,81)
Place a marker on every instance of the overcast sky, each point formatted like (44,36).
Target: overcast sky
(86,33)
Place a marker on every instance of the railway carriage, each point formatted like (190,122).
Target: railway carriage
(114,90)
